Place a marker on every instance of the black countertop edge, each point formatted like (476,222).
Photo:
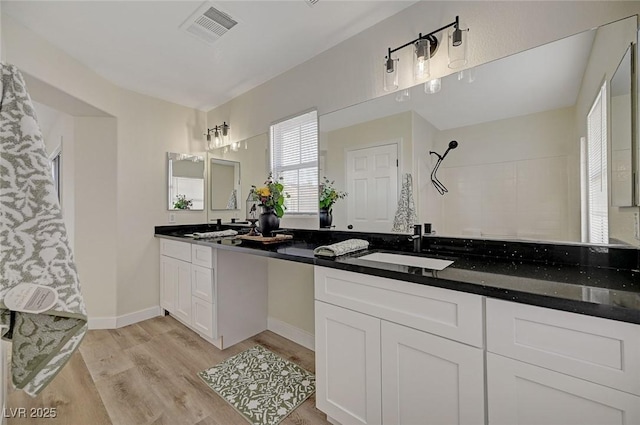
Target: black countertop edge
(576,254)
(556,303)
(289,252)
(246,249)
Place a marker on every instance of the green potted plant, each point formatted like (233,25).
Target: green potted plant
(328,196)
(182,203)
(271,197)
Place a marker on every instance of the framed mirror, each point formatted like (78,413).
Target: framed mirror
(516,171)
(224,181)
(621,133)
(185,185)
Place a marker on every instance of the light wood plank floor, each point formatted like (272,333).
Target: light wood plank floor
(146,374)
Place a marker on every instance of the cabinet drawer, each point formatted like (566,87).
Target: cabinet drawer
(595,349)
(522,394)
(202,285)
(451,314)
(175,249)
(202,255)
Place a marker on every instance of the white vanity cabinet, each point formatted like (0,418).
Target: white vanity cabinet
(387,351)
(221,295)
(549,367)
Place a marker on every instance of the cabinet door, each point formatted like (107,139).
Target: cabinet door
(168,283)
(182,308)
(202,283)
(427,379)
(203,317)
(523,394)
(348,365)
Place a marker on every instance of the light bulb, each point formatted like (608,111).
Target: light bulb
(457,46)
(422,54)
(390,74)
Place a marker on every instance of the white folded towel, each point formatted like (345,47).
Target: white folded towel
(341,248)
(218,234)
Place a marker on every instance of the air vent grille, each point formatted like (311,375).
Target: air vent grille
(209,25)
(311,2)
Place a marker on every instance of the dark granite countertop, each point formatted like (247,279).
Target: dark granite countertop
(602,282)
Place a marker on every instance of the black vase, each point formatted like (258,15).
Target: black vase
(269,222)
(325,218)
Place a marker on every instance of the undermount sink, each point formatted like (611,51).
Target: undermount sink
(408,260)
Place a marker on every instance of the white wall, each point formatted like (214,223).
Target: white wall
(121,275)
(428,200)
(509,178)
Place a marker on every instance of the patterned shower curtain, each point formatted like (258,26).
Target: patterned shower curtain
(34,248)
(406,213)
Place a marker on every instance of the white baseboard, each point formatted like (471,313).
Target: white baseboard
(288,331)
(125,319)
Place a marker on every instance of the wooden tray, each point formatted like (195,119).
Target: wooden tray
(266,240)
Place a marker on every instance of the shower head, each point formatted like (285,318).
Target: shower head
(453,144)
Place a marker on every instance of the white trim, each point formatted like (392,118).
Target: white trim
(124,320)
(292,333)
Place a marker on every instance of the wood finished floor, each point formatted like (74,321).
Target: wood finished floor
(146,374)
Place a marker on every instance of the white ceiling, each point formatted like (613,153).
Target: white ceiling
(138,45)
(541,79)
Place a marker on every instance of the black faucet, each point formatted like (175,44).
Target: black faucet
(417,238)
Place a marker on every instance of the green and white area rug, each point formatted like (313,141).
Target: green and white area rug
(260,385)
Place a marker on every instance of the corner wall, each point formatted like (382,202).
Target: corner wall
(123,191)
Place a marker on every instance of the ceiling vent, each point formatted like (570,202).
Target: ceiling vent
(311,2)
(208,23)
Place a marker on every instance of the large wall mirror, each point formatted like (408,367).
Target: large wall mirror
(185,185)
(224,181)
(520,168)
(621,133)
(237,170)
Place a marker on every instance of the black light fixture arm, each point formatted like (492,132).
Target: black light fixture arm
(429,36)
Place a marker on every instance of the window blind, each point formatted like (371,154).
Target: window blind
(294,157)
(597,169)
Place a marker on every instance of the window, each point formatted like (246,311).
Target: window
(56,163)
(598,200)
(294,157)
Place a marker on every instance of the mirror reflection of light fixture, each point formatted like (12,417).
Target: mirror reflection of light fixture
(425,46)
(403,95)
(433,86)
(467,75)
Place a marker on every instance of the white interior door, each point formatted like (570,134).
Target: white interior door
(372,185)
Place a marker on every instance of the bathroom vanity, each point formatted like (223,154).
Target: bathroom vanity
(509,333)
(221,295)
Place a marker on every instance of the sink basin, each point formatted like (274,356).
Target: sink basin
(408,260)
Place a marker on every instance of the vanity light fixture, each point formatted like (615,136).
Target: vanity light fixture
(220,136)
(425,46)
